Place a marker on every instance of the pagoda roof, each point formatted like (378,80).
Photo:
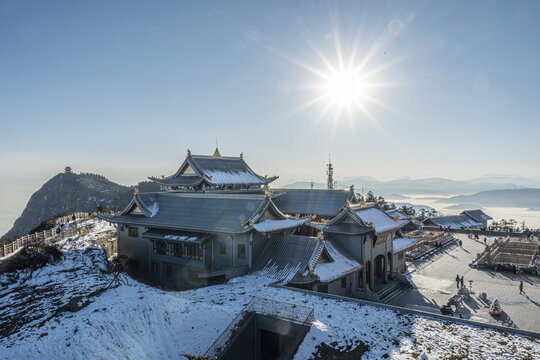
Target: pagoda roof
(357,219)
(205,212)
(477,215)
(321,202)
(214,170)
(453,222)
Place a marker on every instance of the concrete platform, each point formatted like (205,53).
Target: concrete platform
(435,283)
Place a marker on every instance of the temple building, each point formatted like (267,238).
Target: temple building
(216,172)
(216,219)
(468,219)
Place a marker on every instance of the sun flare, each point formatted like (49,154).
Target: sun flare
(344,87)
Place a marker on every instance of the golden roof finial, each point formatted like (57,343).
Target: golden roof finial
(136,191)
(188,152)
(267,193)
(320,235)
(242,224)
(363,202)
(396,217)
(348,204)
(241,156)
(250,224)
(217,155)
(351,188)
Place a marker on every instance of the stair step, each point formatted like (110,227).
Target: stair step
(394,295)
(393,292)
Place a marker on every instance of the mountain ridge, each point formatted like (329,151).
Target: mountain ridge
(66,192)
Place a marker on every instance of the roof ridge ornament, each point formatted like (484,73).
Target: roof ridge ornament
(351,188)
(241,156)
(348,204)
(136,191)
(217,155)
(320,235)
(267,194)
(188,153)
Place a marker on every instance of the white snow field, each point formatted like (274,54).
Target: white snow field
(136,321)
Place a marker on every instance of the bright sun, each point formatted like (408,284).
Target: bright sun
(344,87)
(347,85)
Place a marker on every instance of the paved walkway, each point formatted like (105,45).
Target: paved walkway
(435,282)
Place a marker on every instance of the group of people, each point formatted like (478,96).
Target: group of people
(459,281)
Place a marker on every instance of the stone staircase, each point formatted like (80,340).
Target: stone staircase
(394,289)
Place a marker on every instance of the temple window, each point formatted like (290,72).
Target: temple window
(160,247)
(222,248)
(133,231)
(194,252)
(241,251)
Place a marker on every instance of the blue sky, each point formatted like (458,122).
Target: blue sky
(123,88)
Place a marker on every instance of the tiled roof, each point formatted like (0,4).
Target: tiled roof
(453,222)
(382,222)
(286,255)
(477,215)
(400,244)
(198,212)
(341,264)
(215,170)
(325,203)
(345,228)
(270,225)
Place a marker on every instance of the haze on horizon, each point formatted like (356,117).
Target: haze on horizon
(449,89)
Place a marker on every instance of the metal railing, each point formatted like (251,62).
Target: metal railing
(298,314)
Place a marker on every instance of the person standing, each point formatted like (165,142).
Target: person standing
(457,281)
(521,287)
(461,280)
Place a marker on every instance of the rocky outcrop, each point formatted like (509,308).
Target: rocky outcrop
(68,192)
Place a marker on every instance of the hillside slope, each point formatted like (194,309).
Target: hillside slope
(76,315)
(72,192)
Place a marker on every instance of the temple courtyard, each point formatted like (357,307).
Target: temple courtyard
(435,282)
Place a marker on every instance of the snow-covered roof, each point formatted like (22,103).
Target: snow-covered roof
(403,243)
(270,225)
(398,213)
(453,222)
(321,202)
(382,222)
(477,215)
(340,264)
(197,212)
(285,255)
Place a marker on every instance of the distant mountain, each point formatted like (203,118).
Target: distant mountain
(426,186)
(505,179)
(73,192)
(521,198)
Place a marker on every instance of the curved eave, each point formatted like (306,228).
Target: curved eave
(165,183)
(261,182)
(115,220)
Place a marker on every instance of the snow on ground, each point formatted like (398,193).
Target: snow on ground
(135,321)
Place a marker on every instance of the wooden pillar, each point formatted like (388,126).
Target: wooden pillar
(385,269)
(372,275)
(364,281)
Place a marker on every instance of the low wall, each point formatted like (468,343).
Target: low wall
(416,312)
